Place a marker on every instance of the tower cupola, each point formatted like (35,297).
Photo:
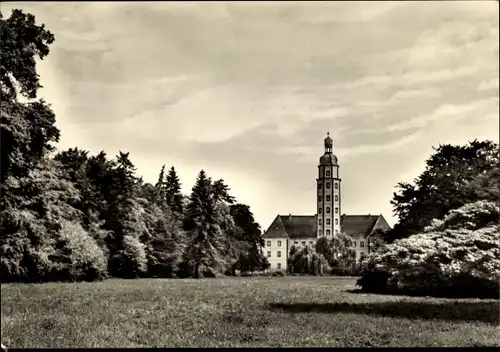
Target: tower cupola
(328,158)
(328,143)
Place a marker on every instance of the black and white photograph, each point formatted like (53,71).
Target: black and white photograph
(249,174)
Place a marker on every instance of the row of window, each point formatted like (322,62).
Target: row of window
(328,210)
(269,254)
(278,254)
(303,242)
(328,221)
(328,232)
(328,198)
(268,243)
(327,185)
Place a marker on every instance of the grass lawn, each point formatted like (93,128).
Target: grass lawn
(237,312)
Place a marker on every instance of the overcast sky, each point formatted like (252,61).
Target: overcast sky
(247,91)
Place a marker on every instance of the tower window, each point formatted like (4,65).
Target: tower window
(319,185)
(362,244)
(336,210)
(328,232)
(336,185)
(328,221)
(279,243)
(327,198)
(269,254)
(328,210)
(328,173)
(336,198)
(279,254)
(328,185)
(320,210)
(336,221)
(320,198)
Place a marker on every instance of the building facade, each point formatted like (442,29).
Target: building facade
(303,230)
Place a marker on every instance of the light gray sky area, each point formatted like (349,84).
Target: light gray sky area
(247,91)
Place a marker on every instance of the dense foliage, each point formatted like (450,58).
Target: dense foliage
(339,253)
(70,216)
(456,256)
(454,176)
(307,261)
(447,240)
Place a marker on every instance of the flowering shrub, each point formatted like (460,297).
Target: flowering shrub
(471,216)
(459,256)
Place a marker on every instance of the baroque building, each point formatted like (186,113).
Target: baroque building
(303,230)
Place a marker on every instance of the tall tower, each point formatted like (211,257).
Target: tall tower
(328,199)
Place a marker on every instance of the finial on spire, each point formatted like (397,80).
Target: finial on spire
(328,143)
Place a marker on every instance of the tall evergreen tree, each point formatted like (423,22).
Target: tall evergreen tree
(221,192)
(173,191)
(205,243)
(160,189)
(125,218)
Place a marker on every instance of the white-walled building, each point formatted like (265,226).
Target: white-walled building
(302,230)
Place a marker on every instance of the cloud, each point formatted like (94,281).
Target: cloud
(491,84)
(249,90)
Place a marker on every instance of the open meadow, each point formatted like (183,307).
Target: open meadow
(237,312)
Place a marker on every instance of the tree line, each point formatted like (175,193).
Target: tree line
(68,215)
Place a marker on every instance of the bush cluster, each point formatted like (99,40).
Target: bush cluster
(458,256)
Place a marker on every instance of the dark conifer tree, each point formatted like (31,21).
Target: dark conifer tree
(205,244)
(173,191)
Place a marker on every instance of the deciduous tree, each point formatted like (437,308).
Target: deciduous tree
(453,177)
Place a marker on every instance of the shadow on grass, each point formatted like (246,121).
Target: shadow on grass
(486,312)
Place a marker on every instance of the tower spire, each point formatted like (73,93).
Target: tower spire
(328,143)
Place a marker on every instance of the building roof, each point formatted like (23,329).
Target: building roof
(276,229)
(300,226)
(328,159)
(305,226)
(358,224)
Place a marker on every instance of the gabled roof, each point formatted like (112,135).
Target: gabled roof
(358,224)
(292,226)
(305,226)
(276,229)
